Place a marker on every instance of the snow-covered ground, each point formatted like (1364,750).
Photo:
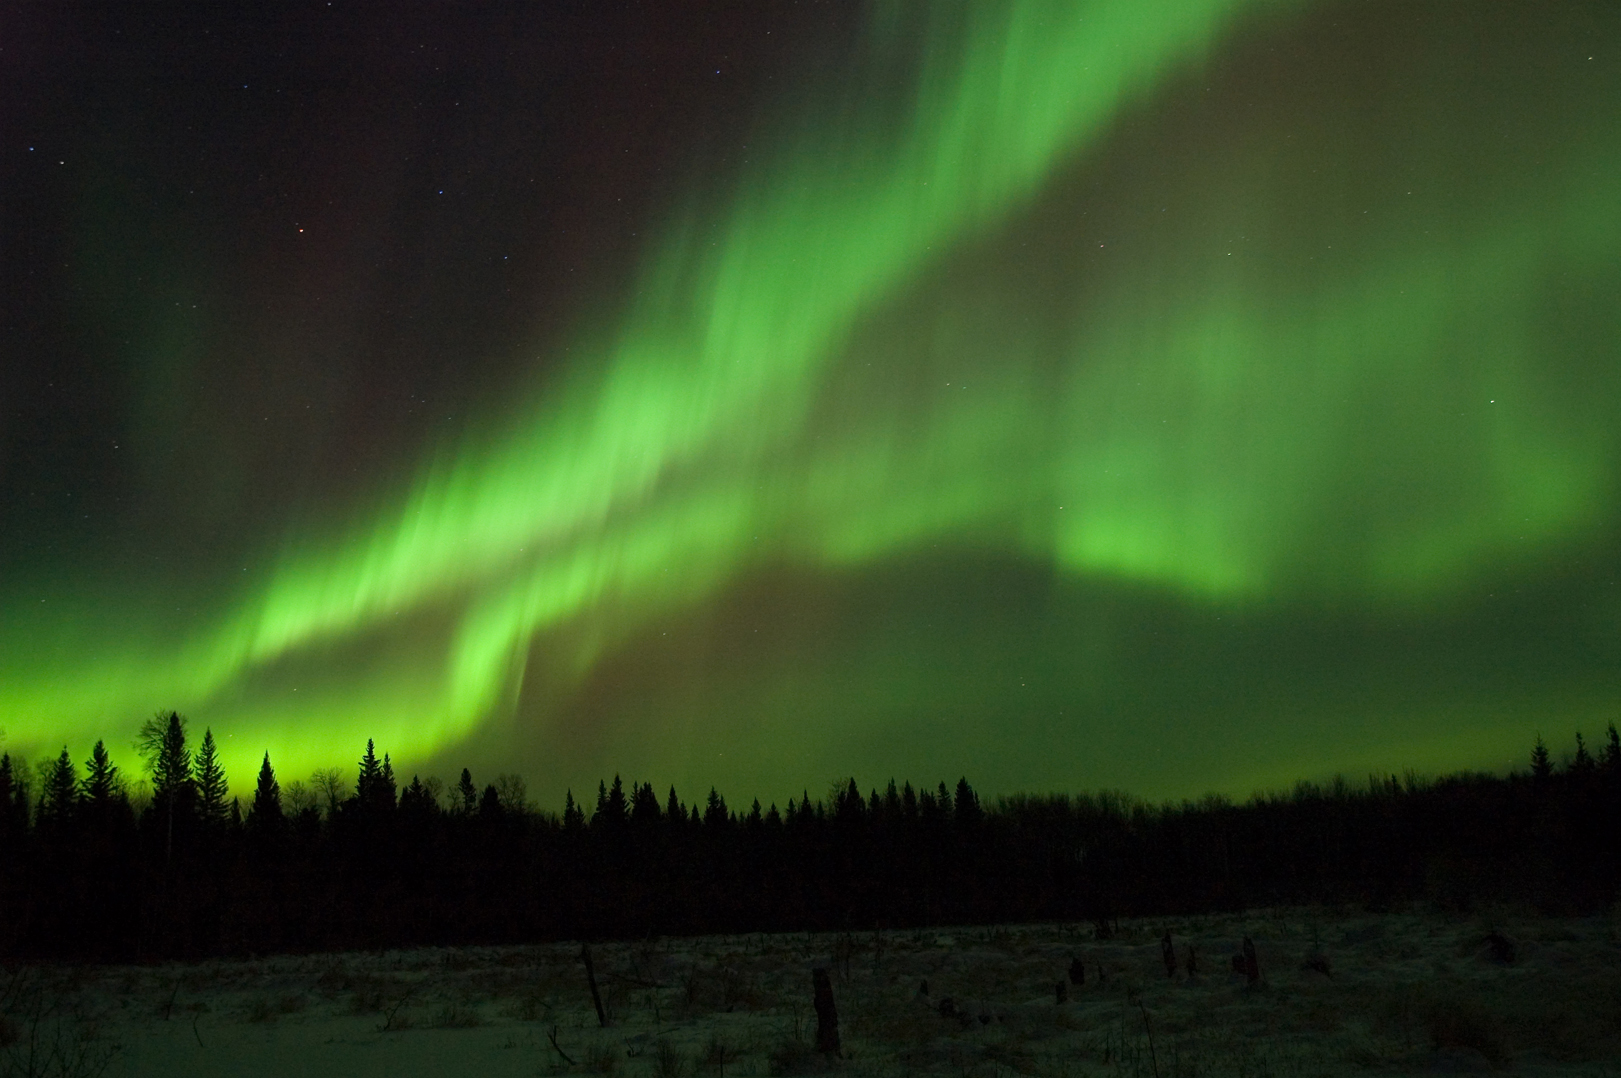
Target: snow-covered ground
(1405,993)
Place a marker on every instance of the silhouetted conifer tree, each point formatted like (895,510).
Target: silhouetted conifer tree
(163,743)
(489,804)
(1541,769)
(101,777)
(673,812)
(849,807)
(386,790)
(9,828)
(615,810)
(715,817)
(100,785)
(644,806)
(369,781)
(1612,751)
(1582,765)
(265,815)
(211,784)
(909,801)
(468,792)
(573,815)
(59,795)
(967,804)
(416,799)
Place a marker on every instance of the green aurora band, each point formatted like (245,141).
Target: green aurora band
(1055,310)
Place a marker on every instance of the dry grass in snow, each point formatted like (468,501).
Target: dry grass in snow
(1410,993)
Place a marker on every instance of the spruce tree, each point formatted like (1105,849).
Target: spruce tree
(1583,763)
(967,804)
(644,805)
(468,791)
(163,744)
(370,778)
(1541,769)
(59,797)
(13,798)
(100,780)
(1612,752)
(673,811)
(212,808)
(7,795)
(489,803)
(573,816)
(715,814)
(386,793)
(265,814)
(415,798)
(618,811)
(848,804)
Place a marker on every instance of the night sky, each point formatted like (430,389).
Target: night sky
(1168,396)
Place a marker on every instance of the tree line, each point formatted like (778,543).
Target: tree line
(89,871)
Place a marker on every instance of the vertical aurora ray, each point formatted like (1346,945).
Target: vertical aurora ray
(915,324)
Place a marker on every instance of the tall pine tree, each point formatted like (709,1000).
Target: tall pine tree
(1583,763)
(212,806)
(100,778)
(1541,769)
(370,778)
(9,831)
(386,790)
(162,743)
(265,814)
(60,794)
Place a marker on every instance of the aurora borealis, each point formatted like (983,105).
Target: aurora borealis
(1167,396)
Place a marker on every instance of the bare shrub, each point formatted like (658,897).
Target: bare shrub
(601,1058)
(268,1008)
(717,1053)
(40,1034)
(456,1016)
(668,1060)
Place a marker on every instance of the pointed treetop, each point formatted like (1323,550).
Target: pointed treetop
(266,794)
(101,777)
(211,784)
(1541,769)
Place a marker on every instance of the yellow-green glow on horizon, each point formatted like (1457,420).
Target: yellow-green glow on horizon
(840,361)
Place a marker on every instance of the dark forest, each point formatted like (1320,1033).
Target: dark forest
(184,872)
